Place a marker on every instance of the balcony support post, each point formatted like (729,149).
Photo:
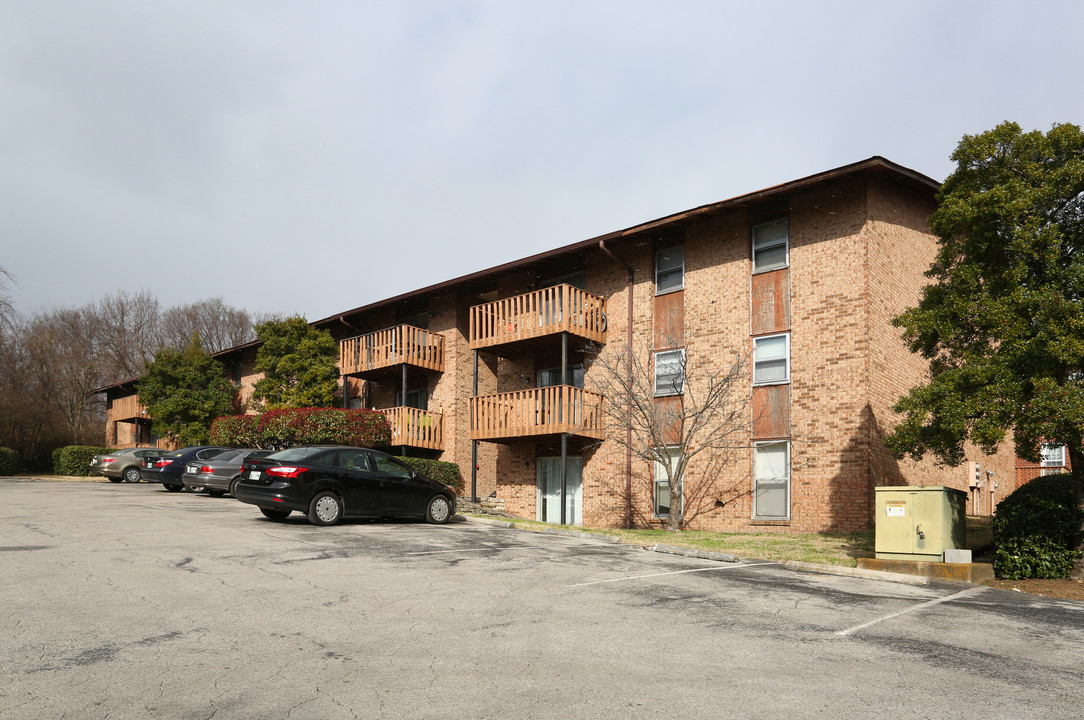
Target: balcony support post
(564,479)
(474,443)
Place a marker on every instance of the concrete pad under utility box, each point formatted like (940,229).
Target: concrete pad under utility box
(958,572)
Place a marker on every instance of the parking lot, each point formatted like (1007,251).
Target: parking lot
(125,601)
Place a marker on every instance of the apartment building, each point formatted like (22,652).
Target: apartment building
(499,371)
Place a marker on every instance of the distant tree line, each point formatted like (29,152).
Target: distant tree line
(51,359)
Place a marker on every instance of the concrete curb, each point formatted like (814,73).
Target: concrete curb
(856,573)
(490,521)
(584,535)
(688,552)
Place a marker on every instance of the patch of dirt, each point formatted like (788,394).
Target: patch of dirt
(1063,589)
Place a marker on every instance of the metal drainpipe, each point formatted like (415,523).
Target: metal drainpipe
(564,436)
(628,407)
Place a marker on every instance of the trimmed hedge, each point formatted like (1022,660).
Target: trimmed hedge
(75,459)
(1037,530)
(445,472)
(9,461)
(277,429)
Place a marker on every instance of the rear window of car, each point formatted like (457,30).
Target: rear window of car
(229,454)
(294,454)
(175,454)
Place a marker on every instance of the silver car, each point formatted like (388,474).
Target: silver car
(220,474)
(122,464)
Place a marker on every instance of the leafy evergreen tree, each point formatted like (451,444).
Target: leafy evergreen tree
(185,391)
(1003,323)
(299,363)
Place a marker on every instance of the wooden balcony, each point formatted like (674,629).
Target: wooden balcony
(126,408)
(538,314)
(394,346)
(537,412)
(416,428)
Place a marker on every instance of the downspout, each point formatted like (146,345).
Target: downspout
(628,406)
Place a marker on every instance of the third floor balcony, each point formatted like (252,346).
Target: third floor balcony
(535,315)
(383,349)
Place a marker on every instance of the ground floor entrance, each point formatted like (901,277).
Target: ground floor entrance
(549,490)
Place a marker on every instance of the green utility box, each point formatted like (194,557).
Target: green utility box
(919,523)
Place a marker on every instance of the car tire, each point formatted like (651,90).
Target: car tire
(233,485)
(438,511)
(275,514)
(131,475)
(216,493)
(325,509)
(114,479)
(173,488)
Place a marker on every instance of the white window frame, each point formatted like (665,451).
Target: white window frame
(673,454)
(1052,456)
(785,477)
(786,367)
(680,385)
(785,242)
(680,285)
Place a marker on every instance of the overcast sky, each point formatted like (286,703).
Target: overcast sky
(312,157)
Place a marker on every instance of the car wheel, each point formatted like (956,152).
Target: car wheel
(325,509)
(233,486)
(438,511)
(173,488)
(275,514)
(131,475)
(114,479)
(216,493)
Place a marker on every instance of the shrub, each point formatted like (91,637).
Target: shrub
(9,461)
(1037,529)
(283,428)
(445,472)
(75,459)
(236,431)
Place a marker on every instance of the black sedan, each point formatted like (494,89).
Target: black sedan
(330,483)
(167,468)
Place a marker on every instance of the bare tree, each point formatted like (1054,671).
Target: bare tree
(219,326)
(7,307)
(685,416)
(129,333)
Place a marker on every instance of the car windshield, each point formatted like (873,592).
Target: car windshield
(293,454)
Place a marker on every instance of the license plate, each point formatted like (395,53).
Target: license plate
(193,470)
(254,475)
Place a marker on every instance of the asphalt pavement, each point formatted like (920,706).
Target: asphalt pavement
(126,601)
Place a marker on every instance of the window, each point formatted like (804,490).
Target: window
(669,269)
(771,359)
(390,466)
(1052,455)
(552,376)
(771,243)
(670,372)
(771,476)
(662,479)
(418,399)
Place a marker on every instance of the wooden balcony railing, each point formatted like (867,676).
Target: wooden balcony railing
(561,308)
(540,411)
(124,408)
(416,428)
(394,346)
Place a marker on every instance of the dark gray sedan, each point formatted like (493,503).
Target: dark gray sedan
(220,474)
(122,464)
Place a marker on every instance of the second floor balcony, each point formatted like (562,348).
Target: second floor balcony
(533,315)
(126,408)
(383,349)
(528,414)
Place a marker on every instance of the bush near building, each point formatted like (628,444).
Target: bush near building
(445,472)
(9,461)
(290,427)
(1037,529)
(75,459)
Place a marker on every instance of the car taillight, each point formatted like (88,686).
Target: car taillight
(287,471)
(162,463)
(206,469)
(108,460)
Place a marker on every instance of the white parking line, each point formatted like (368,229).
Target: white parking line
(931,603)
(675,572)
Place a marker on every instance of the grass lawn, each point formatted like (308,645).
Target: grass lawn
(824,549)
